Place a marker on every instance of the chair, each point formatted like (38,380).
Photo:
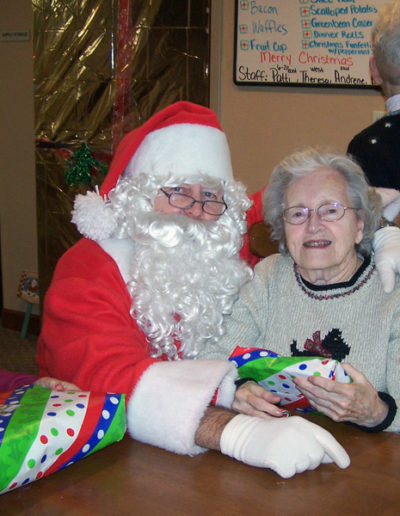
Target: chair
(28,290)
(260,242)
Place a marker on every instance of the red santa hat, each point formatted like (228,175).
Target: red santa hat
(184,139)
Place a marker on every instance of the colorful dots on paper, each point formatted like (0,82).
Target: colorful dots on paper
(65,428)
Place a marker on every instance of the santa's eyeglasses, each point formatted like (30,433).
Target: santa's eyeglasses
(185,202)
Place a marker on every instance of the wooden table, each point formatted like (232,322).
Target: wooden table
(132,478)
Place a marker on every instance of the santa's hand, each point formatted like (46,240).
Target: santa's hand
(287,446)
(387,255)
(390,202)
(55,384)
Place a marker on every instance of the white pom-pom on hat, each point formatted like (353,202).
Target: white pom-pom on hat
(93,216)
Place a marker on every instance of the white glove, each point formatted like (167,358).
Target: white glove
(387,255)
(391,211)
(286,445)
(390,202)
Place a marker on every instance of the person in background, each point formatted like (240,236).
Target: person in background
(321,296)
(377,148)
(150,284)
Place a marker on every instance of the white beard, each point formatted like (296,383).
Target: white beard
(185,276)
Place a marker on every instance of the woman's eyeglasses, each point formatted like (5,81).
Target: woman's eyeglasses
(329,212)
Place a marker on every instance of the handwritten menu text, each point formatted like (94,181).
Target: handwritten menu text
(304,42)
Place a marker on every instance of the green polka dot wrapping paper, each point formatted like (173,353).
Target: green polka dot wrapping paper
(43,431)
(275,373)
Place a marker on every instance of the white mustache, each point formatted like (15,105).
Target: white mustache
(170,229)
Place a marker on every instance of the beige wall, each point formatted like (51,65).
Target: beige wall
(17,170)
(262,125)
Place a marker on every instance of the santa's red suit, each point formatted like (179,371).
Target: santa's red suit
(89,337)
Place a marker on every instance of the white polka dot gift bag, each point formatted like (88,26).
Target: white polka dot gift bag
(275,373)
(43,431)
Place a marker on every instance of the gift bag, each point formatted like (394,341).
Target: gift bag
(43,431)
(275,373)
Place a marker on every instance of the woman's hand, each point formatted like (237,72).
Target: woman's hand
(55,384)
(254,400)
(357,402)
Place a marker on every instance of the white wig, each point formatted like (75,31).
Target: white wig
(186,273)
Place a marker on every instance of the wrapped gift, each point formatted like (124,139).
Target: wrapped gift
(43,431)
(275,373)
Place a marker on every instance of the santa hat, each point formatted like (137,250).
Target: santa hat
(183,139)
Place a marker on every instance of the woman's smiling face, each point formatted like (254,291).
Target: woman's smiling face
(324,251)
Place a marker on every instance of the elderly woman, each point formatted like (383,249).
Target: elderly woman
(322,290)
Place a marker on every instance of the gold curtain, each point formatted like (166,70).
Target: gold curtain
(101,68)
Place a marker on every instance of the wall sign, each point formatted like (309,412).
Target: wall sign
(304,42)
(14,35)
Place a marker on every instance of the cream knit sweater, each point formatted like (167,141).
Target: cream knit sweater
(355,322)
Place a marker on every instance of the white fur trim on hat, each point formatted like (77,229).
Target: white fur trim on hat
(183,150)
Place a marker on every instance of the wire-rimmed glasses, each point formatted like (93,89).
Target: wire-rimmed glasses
(329,212)
(185,202)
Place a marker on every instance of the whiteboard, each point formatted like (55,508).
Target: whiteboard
(304,42)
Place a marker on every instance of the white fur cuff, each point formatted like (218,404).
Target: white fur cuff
(169,401)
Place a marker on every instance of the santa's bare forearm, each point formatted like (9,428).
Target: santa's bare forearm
(212,424)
